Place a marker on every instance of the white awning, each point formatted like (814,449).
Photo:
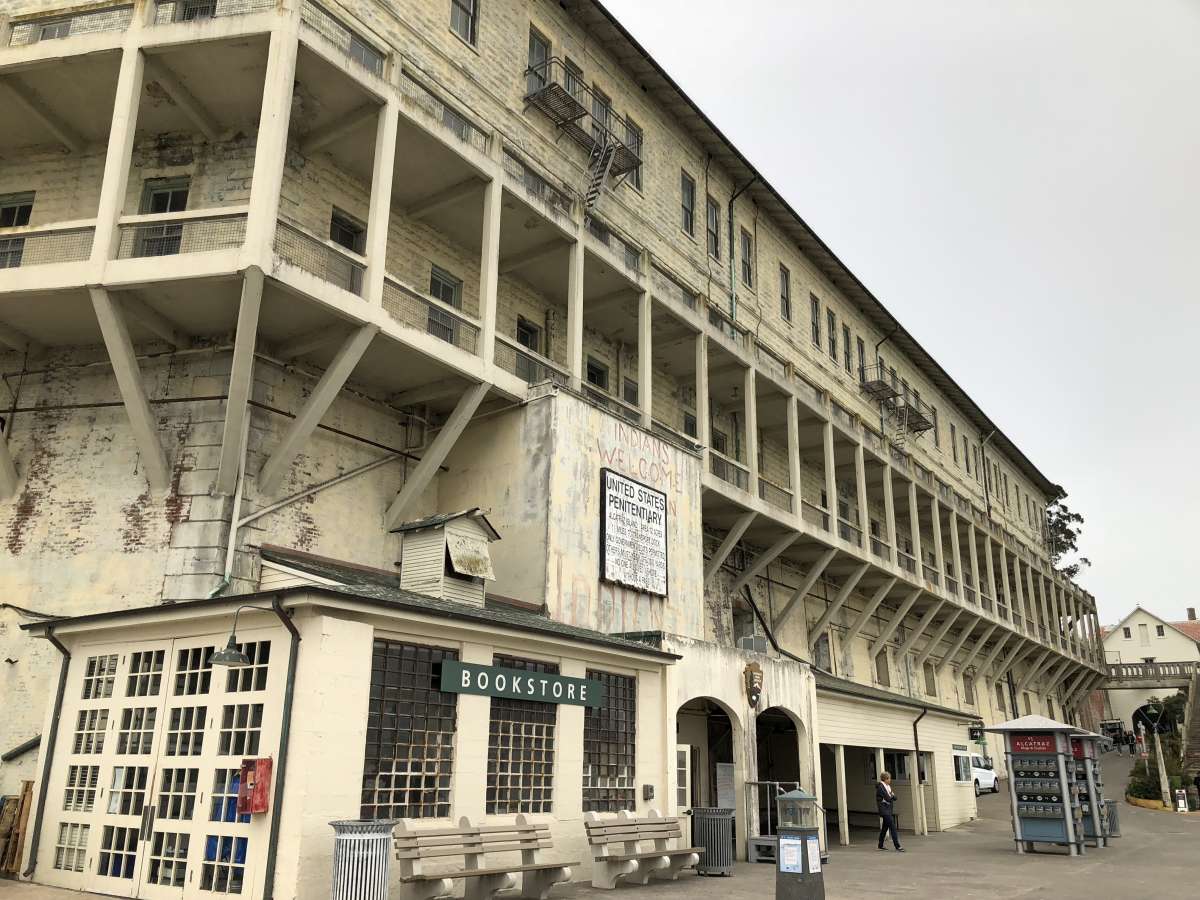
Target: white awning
(469,555)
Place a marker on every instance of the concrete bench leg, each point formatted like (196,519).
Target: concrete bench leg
(426,890)
(675,863)
(536,885)
(605,873)
(646,868)
(485,887)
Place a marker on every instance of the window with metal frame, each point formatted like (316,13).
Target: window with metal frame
(168,859)
(177,790)
(610,745)
(51,31)
(785,293)
(448,289)
(127,794)
(193,670)
(602,114)
(538,74)
(80,792)
(687,203)
(346,231)
(464,19)
(634,138)
(573,79)
(719,441)
(185,730)
(954,442)
(597,373)
(222,805)
(70,850)
(968,689)
(136,733)
(159,196)
(99,673)
(747,246)
(253,675)
(712,226)
(521,748)
(145,673)
(90,729)
(962,768)
(411,724)
(847,362)
(815,310)
(16,209)
(862,361)
(190,10)
(364,54)
(629,391)
(241,729)
(223,869)
(937,432)
(831,323)
(689,424)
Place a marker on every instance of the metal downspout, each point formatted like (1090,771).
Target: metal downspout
(732,256)
(51,741)
(285,733)
(917,774)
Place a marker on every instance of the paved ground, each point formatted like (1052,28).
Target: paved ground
(1156,857)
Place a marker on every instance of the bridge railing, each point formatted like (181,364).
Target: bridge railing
(1156,671)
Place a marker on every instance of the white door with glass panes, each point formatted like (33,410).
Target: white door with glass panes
(683,788)
(142,798)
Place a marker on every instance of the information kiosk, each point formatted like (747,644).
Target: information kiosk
(1042,788)
(1085,748)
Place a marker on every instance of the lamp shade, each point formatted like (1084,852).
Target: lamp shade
(230,655)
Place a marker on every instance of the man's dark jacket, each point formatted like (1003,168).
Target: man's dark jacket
(884,802)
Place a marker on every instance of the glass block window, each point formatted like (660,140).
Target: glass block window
(241,724)
(80,793)
(118,852)
(224,796)
(410,734)
(520,773)
(89,731)
(193,670)
(185,730)
(137,729)
(145,673)
(168,859)
(177,793)
(70,850)
(127,796)
(98,677)
(609,733)
(254,676)
(224,866)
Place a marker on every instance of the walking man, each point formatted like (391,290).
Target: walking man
(885,802)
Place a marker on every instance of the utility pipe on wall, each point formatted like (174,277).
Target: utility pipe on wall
(51,740)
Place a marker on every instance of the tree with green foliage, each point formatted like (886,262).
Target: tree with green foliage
(1063,528)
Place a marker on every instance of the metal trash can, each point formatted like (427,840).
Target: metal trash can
(1113,823)
(712,829)
(362,853)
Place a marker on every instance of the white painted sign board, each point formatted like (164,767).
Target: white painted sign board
(633,534)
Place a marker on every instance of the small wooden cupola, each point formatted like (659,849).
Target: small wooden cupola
(447,556)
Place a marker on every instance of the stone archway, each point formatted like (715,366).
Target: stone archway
(781,756)
(710,761)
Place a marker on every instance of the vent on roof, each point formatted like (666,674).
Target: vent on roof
(448,557)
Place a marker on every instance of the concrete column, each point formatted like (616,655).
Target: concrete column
(860,481)
(879,760)
(989,563)
(1075,634)
(703,425)
(380,212)
(1035,581)
(793,449)
(956,554)
(914,525)
(839,763)
(569,758)
(1008,600)
(1019,603)
(918,795)
(645,358)
(1060,623)
(471,741)
(889,512)
(973,549)
(575,314)
(489,267)
(751,423)
(270,149)
(939,558)
(830,475)
(118,157)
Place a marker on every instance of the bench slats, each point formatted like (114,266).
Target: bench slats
(498,870)
(460,849)
(650,854)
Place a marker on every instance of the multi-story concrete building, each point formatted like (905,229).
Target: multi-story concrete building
(279,279)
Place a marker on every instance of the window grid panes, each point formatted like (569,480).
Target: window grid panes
(185,730)
(168,859)
(118,852)
(127,793)
(815,307)
(241,726)
(520,773)
(713,228)
(409,758)
(687,192)
(70,850)
(89,731)
(193,670)
(609,753)
(464,19)
(224,867)
(223,805)
(98,676)
(80,793)
(137,729)
(253,676)
(177,793)
(145,673)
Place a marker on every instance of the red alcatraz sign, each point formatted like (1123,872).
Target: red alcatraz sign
(1033,743)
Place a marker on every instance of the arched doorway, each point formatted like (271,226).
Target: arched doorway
(779,755)
(710,765)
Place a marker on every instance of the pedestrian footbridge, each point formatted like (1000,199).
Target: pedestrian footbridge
(1175,675)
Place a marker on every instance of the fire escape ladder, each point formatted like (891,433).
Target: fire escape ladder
(599,166)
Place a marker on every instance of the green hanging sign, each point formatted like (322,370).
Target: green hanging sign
(519,684)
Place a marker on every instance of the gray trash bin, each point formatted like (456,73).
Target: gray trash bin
(1113,820)
(712,829)
(362,853)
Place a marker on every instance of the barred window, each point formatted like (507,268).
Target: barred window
(80,793)
(409,757)
(70,850)
(145,673)
(127,796)
(520,773)
(98,676)
(177,793)
(241,725)
(193,670)
(252,677)
(118,852)
(609,740)
(185,730)
(137,729)
(89,731)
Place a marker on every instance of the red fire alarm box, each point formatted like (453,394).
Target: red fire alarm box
(254,785)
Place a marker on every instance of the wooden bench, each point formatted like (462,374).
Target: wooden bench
(474,843)
(616,845)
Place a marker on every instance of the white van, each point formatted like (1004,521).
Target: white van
(983,775)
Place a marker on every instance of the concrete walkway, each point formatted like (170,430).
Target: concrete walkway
(1157,857)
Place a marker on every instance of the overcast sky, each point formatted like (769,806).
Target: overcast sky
(1018,183)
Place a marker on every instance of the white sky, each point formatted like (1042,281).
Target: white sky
(1017,182)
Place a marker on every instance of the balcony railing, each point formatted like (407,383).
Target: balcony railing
(598,398)
(530,367)
(1001,610)
(51,28)
(814,515)
(1151,672)
(172,235)
(780,498)
(325,261)
(341,36)
(771,364)
(843,416)
(731,333)
(582,115)
(969,593)
(899,458)
(849,532)
(416,95)
(924,475)
(952,585)
(535,184)
(728,470)
(986,602)
(667,288)
(411,308)
(880,549)
(907,561)
(627,252)
(671,436)
(20,248)
(876,385)
(931,574)
(168,11)
(872,441)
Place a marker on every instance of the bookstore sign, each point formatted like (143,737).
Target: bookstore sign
(633,534)
(519,684)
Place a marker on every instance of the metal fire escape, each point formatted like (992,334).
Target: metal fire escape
(900,416)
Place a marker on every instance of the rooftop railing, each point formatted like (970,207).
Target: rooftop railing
(536,185)
(168,11)
(417,95)
(315,256)
(52,28)
(20,248)
(348,41)
(180,233)
(416,310)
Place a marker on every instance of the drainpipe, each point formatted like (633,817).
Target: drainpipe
(51,740)
(285,733)
(732,256)
(917,774)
